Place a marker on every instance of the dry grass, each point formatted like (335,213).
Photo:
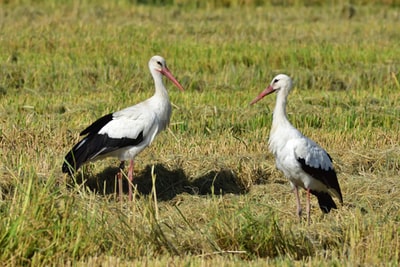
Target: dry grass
(219,198)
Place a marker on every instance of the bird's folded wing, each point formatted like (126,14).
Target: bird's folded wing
(122,129)
(318,164)
(313,155)
(129,125)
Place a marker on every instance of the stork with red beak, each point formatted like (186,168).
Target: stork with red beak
(125,133)
(301,160)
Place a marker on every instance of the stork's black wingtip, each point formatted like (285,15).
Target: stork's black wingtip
(66,168)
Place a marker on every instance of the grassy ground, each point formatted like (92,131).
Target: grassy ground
(217,197)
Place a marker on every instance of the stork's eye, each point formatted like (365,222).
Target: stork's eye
(159,63)
(276,80)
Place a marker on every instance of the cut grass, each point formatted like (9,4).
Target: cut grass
(220,199)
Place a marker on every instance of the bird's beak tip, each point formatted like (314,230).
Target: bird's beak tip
(255,100)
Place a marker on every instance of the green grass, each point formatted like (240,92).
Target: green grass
(219,198)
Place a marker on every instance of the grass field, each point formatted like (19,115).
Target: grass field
(208,192)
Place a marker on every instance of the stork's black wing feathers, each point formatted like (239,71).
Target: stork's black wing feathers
(327,177)
(95,145)
(96,126)
(325,201)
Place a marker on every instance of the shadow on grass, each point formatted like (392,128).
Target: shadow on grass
(168,184)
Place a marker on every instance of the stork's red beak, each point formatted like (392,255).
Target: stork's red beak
(266,91)
(165,71)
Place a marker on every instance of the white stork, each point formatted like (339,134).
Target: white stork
(125,133)
(301,160)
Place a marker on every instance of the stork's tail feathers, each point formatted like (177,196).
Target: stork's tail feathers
(69,166)
(325,201)
(75,158)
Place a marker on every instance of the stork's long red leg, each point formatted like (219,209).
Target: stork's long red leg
(299,210)
(130,178)
(308,206)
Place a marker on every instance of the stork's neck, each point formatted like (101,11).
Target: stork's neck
(161,91)
(281,127)
(279,118)
(160,102)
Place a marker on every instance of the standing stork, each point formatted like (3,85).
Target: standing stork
(125,133)
(302,161)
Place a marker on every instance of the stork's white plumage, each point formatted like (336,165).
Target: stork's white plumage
(125,133)
(301,160)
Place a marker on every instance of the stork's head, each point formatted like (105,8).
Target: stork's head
(281,82)
(157,64)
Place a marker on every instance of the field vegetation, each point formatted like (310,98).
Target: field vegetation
(207,190)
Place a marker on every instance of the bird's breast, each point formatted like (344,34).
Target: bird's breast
(164,116)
